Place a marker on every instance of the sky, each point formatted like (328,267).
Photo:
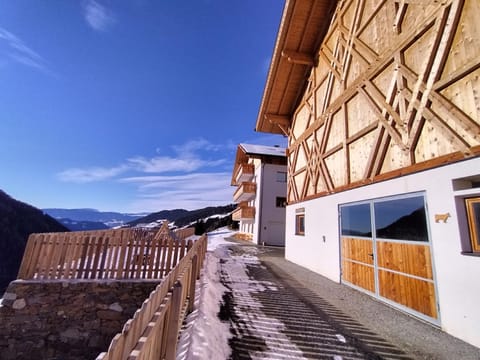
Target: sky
(130,105)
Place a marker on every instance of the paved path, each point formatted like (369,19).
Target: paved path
(271,319)
(278,310)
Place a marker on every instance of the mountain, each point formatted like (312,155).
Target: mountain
(204,214)
(182,217)
(170,215)
(74,225)
(17,221)
(408,227)
(109,218)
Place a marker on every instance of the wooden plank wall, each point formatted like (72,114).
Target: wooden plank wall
(357,262)
(405,276)
(405,273)
(106,254)
(395,91)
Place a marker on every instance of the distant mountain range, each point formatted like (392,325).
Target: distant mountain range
(74,225)
(109,218)
(17,221)
(91,219)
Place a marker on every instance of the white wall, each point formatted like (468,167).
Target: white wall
(258,180)
(269,228)
(456,275)
(272,230)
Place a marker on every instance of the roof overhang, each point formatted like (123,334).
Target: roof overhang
(247,151)
(302,29)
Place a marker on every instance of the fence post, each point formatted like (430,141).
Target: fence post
(193,280)
(173,321)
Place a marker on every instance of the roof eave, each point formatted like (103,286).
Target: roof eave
(302,29)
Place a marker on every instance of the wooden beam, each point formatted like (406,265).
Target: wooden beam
(280,120)
(298,58)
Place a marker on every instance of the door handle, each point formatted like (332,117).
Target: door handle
(371,255)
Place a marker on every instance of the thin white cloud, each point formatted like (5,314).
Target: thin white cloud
(187,160)
(192,146)
(189,191)
(162,164)
(166,182)
(189,181)
(93,174)
(183,198)
(19,52)
(97,16)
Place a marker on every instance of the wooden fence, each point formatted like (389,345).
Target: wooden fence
(153,331)
(106,254)
(122,254)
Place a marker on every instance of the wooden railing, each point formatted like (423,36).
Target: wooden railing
(184,233)
(243,213)
(153,331)
(246,191)
(106,254)
(244,172)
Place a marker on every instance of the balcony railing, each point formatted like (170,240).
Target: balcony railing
(244,213)
(244,173)
(245,192)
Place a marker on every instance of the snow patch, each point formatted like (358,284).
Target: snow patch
(204,336)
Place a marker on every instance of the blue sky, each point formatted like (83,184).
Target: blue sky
(132,106)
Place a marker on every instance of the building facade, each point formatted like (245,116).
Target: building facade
(260,177)
(380,103)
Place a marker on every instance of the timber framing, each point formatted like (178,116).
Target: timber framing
(367,90)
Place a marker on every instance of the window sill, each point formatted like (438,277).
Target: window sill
(476,254)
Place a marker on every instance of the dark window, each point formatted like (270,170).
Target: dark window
(281,202)
(401,219)
(356,220)
(473,215)
(300,224)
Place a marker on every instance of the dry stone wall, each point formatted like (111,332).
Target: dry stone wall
(66,320)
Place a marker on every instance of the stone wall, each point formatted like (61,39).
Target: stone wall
(66,319)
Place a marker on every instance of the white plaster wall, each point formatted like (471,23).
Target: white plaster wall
(456,275)
(272,230)
(258,180)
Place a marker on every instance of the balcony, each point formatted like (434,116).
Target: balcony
(244,213)
(244,173)
(245,192)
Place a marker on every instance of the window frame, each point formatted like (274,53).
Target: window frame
(473,227)
(375,227)
(282,200)
(300,223)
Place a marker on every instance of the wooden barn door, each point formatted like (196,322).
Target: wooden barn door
(385,251)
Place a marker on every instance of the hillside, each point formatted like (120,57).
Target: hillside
(17,221)
(182,217)
(170,215)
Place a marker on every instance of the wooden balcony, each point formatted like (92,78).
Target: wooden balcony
(244,213)
(245,172)
(245,192)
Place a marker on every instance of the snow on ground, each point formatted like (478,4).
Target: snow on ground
(217,238)
(204,336)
